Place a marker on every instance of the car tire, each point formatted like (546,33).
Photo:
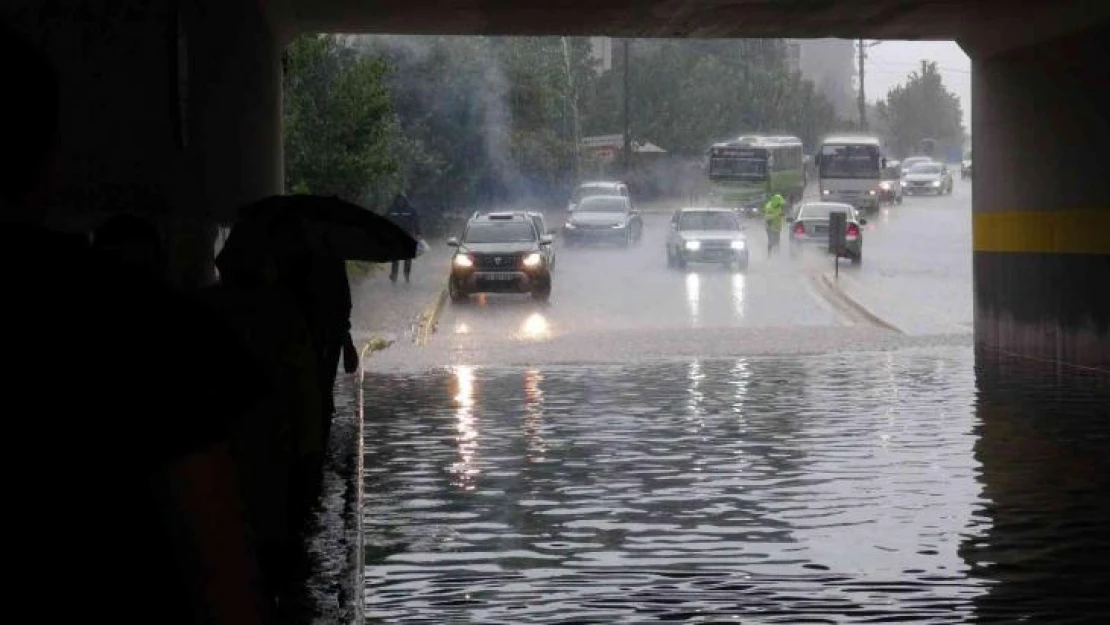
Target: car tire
(680,262)
(670,258)
(857,258)
(742,264)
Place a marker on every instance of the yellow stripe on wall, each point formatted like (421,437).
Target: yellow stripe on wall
(1084,231)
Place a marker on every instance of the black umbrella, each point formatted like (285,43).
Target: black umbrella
(291,225)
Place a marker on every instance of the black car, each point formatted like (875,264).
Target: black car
(500,253)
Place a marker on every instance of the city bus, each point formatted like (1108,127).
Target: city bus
(849,170)
(745,172)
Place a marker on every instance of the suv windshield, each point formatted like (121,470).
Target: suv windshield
(602,205)
(584,192)
(501,232)
(925,168)
(708,220)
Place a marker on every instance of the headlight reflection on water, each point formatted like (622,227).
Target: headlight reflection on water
(535,328)
(465,469)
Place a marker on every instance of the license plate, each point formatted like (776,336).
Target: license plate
(499,277)
(821,230)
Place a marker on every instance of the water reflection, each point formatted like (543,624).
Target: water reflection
(693,296)
(1043,444)
(533,416)
(534,328)
(738,282)
(465,470)
(891,487)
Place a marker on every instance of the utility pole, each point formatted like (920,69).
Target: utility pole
(573,97)
(862,98)
(626,152)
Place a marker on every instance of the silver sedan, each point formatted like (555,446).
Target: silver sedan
(810,226)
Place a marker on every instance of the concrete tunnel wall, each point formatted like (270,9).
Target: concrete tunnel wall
(1041,231)
(1041,202)
(122,149)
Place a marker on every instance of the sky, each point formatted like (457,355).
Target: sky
(889,62)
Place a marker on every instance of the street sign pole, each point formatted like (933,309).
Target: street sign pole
(838,229)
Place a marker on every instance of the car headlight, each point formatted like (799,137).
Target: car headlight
(533,260)
(570,225)
(738,245)
(618,226)
(826,192)
(693,246)
(462,260)
(936,183)
(871,192)
(885,186)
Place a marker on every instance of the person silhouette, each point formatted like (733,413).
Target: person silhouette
(125,390)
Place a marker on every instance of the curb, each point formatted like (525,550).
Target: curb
(855,304)
(429,319)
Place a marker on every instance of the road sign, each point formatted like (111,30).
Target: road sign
(606,154)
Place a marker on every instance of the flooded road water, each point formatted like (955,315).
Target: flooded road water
(867,487)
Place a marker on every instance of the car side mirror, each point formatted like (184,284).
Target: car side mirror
(862,221)
(452,242)
(546,239)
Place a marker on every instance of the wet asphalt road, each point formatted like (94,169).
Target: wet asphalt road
(709,446)
(612,304)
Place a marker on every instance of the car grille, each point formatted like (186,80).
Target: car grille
(595,226)
(497,262)
(716,245)
(920,184)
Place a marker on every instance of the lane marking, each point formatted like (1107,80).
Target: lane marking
(428,322)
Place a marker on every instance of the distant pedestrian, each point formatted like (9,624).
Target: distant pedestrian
(402,213)
(772,220)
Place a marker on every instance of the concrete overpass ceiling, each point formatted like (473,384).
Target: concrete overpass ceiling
(993,22)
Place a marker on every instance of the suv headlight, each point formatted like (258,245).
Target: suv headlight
(570,225)
(693,246)
(618,225)
(936,183)
(462,260)
(533,260)
(738,245)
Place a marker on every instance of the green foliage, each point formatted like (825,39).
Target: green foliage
(339,126)
(688,94)
(460,122)
(922,108)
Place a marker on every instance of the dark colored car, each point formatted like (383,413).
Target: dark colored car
(500,253)
(604,218)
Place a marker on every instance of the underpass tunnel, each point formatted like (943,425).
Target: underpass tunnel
(173,109)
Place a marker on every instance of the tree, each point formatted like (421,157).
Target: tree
(688,94)
(922,108)
(339,124)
